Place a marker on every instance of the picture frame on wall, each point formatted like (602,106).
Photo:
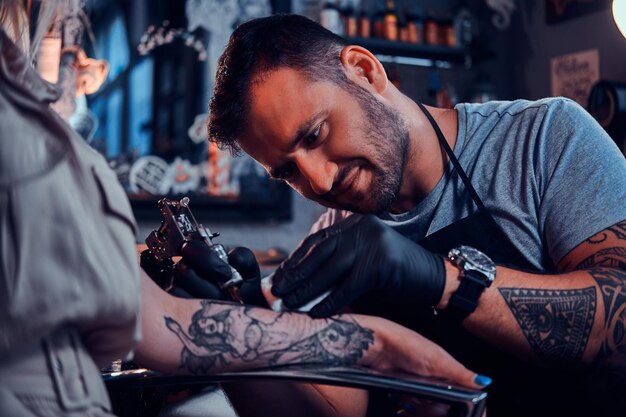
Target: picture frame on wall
(558,11)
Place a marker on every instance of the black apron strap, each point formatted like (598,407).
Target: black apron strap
(454,160)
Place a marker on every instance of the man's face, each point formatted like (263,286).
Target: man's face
(340,147)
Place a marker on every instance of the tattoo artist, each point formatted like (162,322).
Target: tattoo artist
(507,219)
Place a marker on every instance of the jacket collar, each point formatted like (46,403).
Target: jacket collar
(17,73)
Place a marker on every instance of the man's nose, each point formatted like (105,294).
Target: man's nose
(320,173)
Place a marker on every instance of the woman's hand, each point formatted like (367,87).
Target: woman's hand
(399,349)
(209,336)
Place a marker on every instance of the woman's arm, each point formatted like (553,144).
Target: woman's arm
(204,336)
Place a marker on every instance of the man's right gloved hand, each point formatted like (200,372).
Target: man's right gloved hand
(196,275)
(357,257)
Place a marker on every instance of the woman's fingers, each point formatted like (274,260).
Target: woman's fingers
(408,351)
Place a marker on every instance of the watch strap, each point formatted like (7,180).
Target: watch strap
(465,299)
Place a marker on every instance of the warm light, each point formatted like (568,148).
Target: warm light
(619,14)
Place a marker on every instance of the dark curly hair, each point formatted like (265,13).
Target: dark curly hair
(258,47)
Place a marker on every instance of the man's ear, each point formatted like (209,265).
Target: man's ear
(361,66)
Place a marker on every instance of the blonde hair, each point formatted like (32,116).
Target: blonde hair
(15,18)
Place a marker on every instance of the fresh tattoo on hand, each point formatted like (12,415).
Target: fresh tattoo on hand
(224,334)
(556,323)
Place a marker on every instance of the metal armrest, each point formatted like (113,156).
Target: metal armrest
(463,401)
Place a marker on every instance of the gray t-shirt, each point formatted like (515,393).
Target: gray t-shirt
(549,174)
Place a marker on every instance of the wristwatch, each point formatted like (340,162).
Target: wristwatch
(477,273)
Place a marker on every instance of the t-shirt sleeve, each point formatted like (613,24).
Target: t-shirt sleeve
(583,176)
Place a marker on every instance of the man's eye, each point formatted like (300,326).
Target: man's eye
(312,137)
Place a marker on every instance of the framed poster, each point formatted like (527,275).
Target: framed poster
(558,11)
(574,75)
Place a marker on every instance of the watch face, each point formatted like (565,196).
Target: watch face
(468,258)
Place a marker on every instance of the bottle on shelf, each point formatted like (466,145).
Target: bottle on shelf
(431,30)
(350,21)
(447,35)
(415,28)
(379,23)
(391,22)
(330,17)
(403,28)
(365,23)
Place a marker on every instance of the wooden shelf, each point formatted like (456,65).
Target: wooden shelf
(431,54)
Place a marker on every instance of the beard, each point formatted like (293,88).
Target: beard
(386,139)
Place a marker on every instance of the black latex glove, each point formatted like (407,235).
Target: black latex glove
(244,261)
(189,284)
(359,255)
(200,270)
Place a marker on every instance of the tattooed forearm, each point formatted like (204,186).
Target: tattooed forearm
(556,323)
(223,335)
(607,267)
(612,283)
(609,257)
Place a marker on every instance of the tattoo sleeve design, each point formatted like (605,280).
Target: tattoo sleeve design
(613,290)
(556,323)
(224,334)
(608,268)
(610,257)
(619,230)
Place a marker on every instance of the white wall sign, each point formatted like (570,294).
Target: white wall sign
(573,75)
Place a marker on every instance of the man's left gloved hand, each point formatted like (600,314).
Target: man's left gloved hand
(359,255)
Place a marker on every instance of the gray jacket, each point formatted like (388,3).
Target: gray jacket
(69,278)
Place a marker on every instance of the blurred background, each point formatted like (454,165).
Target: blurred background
(148,118)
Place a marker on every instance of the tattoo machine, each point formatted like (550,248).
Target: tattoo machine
(177,229)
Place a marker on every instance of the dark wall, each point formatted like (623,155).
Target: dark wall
(520,65)
(536,43)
